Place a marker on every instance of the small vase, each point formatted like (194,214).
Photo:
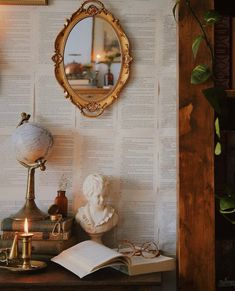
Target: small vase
(108,78)
(62,201)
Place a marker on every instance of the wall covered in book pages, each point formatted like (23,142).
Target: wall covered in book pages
(133,142)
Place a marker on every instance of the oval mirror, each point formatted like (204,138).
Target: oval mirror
(92,58)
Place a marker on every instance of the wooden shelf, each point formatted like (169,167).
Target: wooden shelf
(55,278)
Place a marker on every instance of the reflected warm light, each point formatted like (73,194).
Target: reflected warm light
(98,58)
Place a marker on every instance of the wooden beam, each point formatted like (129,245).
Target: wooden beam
(196,235)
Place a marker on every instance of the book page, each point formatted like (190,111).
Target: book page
(86,257)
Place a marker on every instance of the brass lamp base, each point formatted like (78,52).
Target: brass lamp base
(29,211)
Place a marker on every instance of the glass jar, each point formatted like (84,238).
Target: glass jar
(108,78)
(62,201)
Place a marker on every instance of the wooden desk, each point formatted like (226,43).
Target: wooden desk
(57,278)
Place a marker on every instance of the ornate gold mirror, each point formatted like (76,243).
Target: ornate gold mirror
(92,58)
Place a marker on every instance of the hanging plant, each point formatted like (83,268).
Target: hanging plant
(216,96)
(203,73)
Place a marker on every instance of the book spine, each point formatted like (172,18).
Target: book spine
(7,235)
(43,247)
(9,224)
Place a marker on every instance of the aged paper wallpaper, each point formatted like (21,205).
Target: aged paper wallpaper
(133,142)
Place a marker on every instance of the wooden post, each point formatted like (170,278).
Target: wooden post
(196,235)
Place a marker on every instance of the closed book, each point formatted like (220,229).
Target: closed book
(39,235)
(9,224)
(52,247)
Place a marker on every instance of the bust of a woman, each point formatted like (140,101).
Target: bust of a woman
(96,217)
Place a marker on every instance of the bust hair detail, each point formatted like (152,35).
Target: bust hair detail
(94,184)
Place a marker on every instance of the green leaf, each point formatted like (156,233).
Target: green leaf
(196,44)
(174,8)
(200,74)
(211,17)
(227,211)
(217,127)
(227,205)
(218,148)
(214,96)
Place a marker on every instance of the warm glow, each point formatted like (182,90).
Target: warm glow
(26,226)
(98,57)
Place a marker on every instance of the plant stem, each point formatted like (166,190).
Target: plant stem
(202,29)
(230,220)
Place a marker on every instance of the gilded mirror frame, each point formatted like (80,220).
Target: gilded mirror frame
(92,108)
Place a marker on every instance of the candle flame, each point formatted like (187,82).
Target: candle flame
(26,226)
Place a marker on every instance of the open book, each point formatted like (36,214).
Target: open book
(89,256)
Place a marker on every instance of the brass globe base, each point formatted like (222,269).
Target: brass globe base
(29,211)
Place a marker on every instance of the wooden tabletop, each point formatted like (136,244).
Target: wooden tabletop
(55,277)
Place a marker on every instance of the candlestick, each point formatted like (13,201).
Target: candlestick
(13,262)
(26,246)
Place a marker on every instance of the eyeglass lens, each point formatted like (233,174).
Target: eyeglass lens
(126,248)
(147,250)
(150,250)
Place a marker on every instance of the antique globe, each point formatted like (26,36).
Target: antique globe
(32,145)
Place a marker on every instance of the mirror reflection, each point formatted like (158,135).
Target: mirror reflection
(92,58)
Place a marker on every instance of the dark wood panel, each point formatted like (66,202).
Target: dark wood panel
(222,49)
(225,7)
(196,234)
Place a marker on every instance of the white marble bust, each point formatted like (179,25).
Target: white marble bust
(96,217)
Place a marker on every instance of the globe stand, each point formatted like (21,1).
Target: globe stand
(30,209)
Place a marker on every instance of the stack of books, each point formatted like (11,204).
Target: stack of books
(48,240)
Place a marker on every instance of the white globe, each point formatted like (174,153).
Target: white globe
(31,142)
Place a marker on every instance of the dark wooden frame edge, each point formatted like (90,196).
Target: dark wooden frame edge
(196,221)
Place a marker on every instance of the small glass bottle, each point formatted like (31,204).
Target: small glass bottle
(62,201)
(108,78)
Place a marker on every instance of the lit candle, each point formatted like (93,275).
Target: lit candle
(26,226)
(26,245)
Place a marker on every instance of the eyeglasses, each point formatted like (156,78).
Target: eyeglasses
(147,250)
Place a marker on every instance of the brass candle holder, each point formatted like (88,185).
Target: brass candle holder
(26,250)
(26,246)
(10,259)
